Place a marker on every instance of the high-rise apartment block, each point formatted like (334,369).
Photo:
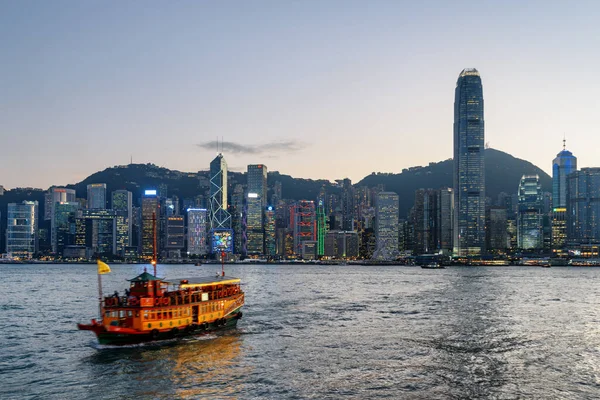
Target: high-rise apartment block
(386,226)
(469,166)
(122,205)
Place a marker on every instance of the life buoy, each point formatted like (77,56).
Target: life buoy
(165,301)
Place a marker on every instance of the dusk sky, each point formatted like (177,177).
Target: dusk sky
(313,89)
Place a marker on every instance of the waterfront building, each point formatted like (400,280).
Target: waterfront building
(21,229)
(496,232)
(96,196)
(583,206)
(96,231)
(56,195)
(347,200)
(122,205)
(321,228)
(63,225)
(341,245)
(445,217)
(197,231)
(257,181)
(270,221)
(236,210)
(386,226)
(174,236)
(529,215)
(469,166)
(220,218)
(564,164)
(425,221)
(150,224)
(367,243)
(303,220)
(254,233)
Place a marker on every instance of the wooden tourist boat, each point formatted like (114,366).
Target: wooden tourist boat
(150,311)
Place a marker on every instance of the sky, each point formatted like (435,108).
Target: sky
(313,89)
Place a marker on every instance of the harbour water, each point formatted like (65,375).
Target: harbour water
(320,332)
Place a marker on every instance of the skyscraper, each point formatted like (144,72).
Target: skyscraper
(122,204)
(197,239)
(270,244)
(564,164)
(303,220)
(256,200)
(529,216)
(220,219)
(445,212)
(62,221)
(56,195)
(21,229)
(257,181)
(150,224)
(583,206)
(386,226)
(469,166)
(96,196)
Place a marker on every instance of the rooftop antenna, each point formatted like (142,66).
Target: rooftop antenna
(564,142)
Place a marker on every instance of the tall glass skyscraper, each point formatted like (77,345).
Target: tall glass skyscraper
(469,166)
(529,216)
(220,219)
(96,196)
(386,227)
(583,206)
(21,229)
(564,164)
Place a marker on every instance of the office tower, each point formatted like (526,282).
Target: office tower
(150,224)
(425,215)
(386,226)
(96,196)
(321,228)
(270,221)
(276,193)
(347,199)
(220,219)
(21,229)
(564,164)
(122,205)
(529,215)
(2,190)
(469,167)
(341,245)
(445,211)
(96,230)
(174,236)
(583,206)
(496,232)
(197,231)
(257,181)
(367,243)
(56,195)
(304,226)
(254,224)
(236,210)
(63,225)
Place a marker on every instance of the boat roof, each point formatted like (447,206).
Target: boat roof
(145,277)
(206,281)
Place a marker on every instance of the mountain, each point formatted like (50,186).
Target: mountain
(503,173)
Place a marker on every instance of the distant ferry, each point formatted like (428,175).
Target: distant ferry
(432,265)
(151,312)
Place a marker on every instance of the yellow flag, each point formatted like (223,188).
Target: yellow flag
(103,268)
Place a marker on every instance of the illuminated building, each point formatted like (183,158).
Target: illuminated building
(529,215)
(96,196)
(583,206)
(56,195)
(303,222)
(122,205)
(254,225)
(96,231)
(425,221)
(347,200)
(174,236)
(270,243)
(257,181)
(21,229)
(197,233)
(469,167)
(309,250)
(386,226)
(564,164)
(445,215)
(150,222)
(62,221)
(321,228)
(220,219)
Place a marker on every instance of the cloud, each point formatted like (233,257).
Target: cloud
(275,148)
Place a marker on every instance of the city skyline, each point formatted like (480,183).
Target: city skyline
(287,81)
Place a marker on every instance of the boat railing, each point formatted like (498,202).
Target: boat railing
(174,298)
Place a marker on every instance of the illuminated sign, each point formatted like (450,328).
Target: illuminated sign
(270,208)
(151,192)
(253,195)
(222,240)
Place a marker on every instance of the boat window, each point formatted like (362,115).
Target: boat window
(129,313)
(170,315)
(121,314)
(159,315)
(165,315)
(114,314)
(137,314)
(145,314)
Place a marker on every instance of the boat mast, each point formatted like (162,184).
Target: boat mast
(154,241)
